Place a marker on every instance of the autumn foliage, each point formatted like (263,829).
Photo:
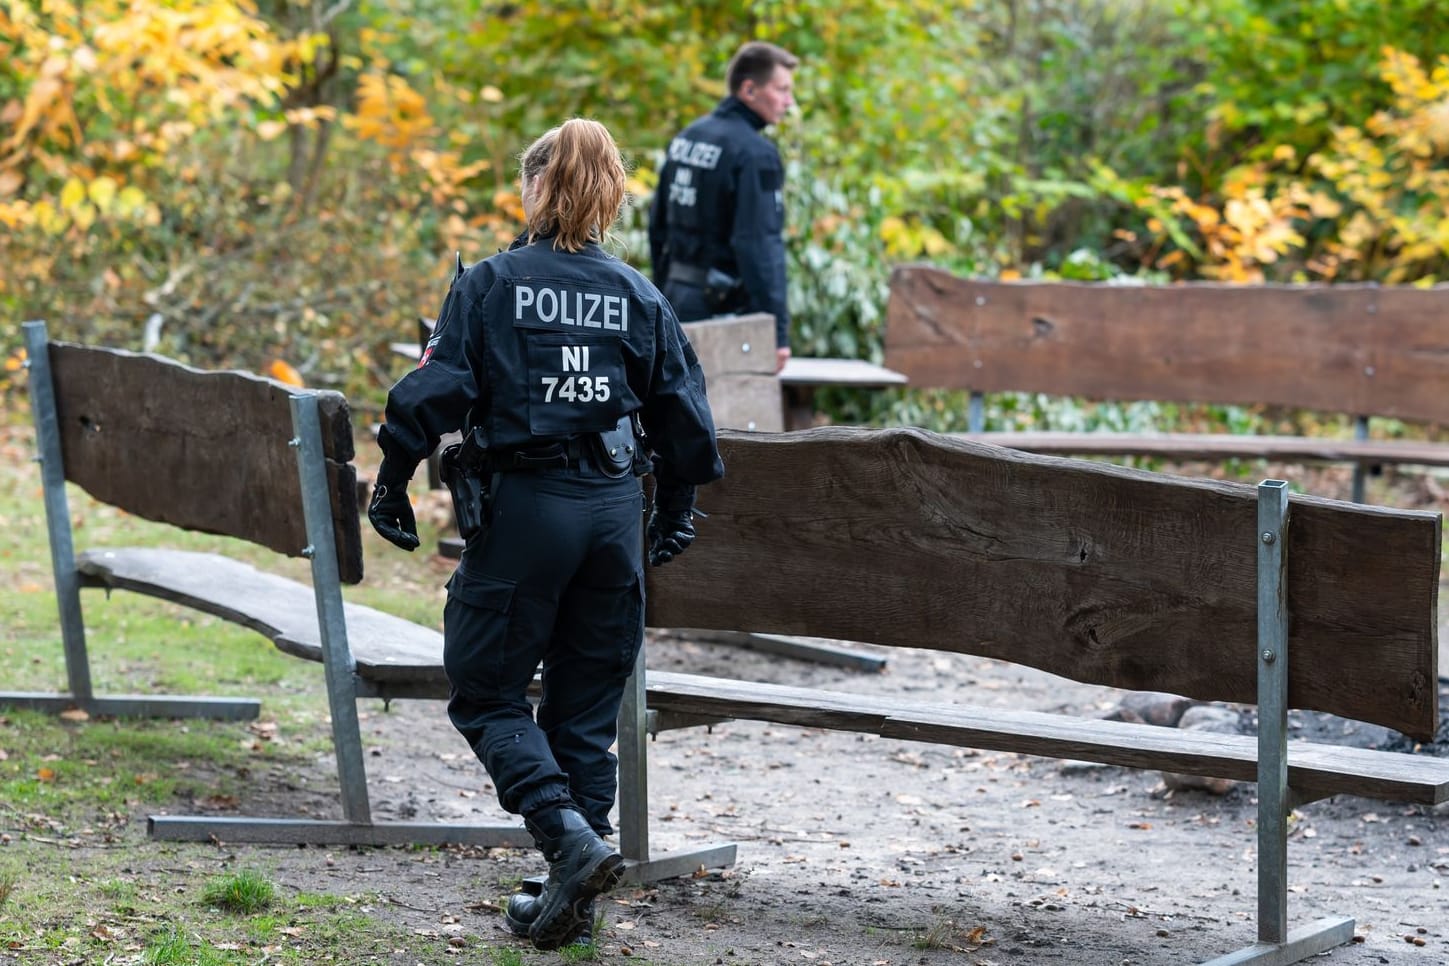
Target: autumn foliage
(286,183)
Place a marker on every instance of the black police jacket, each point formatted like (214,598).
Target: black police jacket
(535,345)
(720,204)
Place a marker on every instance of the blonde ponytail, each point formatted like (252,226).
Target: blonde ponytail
(578,178)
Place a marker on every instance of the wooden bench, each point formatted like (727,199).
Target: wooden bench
(1358,350)
(1098,573)
(237,455)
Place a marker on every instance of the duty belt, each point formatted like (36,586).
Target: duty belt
(562,454)
(688,275)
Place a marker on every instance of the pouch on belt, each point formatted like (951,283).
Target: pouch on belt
(617,449)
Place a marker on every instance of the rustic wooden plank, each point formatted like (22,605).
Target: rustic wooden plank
(386,648)
(201,450)
(1096,572)
(745,400)
(1358,349)
(734,343)
(1316,770)
(811,371)
(1219,446)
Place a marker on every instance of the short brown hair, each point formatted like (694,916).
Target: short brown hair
(579,183)
(756,61)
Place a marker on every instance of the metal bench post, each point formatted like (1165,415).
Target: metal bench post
(1272,711)
(327,585)
(634,799)
(976,412)
(634,768)
(1360,433)
(1276,945)
(57,520)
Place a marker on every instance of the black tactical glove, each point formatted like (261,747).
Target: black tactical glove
(670,534)
(391,512)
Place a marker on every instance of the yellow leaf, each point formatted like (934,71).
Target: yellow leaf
(73,194)
(271,130)
(491,94)
(131,200)
(102,192)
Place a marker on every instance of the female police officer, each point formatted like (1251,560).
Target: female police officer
(544,354)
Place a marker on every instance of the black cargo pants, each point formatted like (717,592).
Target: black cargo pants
(556,579)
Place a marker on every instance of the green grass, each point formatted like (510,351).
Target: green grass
(8,878)
(174,948)
(79,880)
(75,772)
(243,892)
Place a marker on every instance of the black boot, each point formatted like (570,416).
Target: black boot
(580,866)
(523,908)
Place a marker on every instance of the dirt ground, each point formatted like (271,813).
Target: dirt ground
(859,851)
(865,851)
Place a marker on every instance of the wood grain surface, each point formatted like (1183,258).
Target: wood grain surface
(737,354)
(202,450)
(1357,349)
(1099,573)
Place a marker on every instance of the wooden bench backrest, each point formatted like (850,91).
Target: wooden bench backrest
(201,450)
(1357,349)
(1098,573)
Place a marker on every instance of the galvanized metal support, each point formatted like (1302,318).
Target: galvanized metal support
(976,412)
(634,733)
(337,660)
(1360,432)
(68,583)
(634,768)
(1276,945)
(286,831)
(1272,711)
(57,513)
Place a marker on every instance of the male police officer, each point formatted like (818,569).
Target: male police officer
(716,223)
